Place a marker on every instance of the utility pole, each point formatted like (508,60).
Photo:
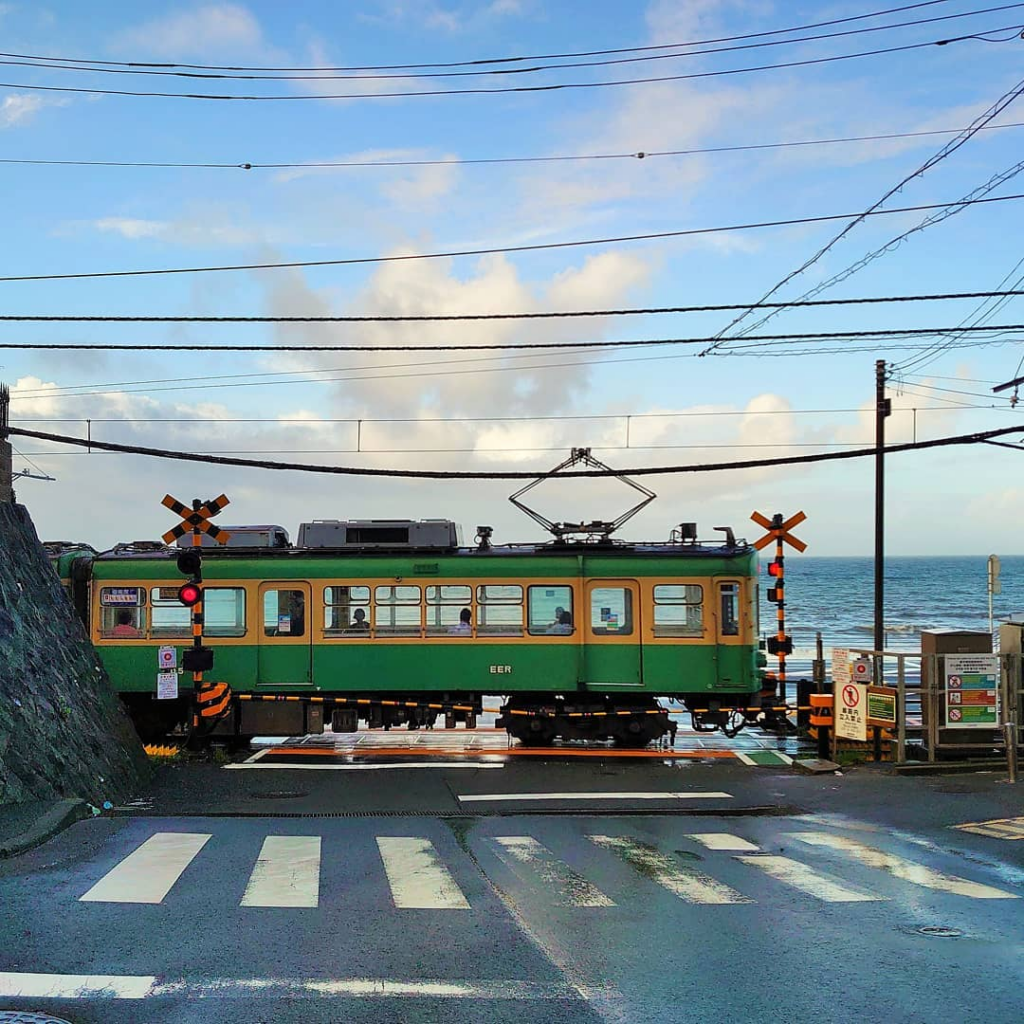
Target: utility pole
(883,407)
(6,464)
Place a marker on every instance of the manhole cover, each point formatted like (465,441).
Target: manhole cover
(940,932)
(19,1017)
(280,795)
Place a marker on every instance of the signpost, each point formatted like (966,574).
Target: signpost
(881,711)
(851,712)
(972,691)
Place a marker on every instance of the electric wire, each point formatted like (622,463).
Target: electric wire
(492,60)
(533,247)
(500,90)
(518,70)
(504,346)
(947,150)
(455,317)
(427,474)
(469,161)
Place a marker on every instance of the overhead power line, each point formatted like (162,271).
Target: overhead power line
(488,60)
(947,150)
(454,317)
(556,346)
(471,161)
(493,250)
(428,474)
(519,68)
(488,90)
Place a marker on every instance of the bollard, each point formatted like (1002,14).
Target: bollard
(822,720)
(1010,738)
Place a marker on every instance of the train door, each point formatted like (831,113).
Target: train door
(612,654)
(729,653)
(285,635)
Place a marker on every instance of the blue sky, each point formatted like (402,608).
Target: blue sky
(75,219)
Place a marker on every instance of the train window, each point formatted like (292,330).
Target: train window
(550,610)
(611,611)
(170,618)
(678,609)
(122,613)
(729,600)
(449,610)
(284,613)
(397,611)
(499,609)
(347,611)
(223,611)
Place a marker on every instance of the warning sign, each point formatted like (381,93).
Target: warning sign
(972,691)
(851,721)
(840,666)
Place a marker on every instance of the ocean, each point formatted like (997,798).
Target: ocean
(836,597)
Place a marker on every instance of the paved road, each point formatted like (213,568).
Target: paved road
(517,916)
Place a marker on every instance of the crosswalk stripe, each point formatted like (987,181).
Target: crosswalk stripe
(806,879)
(418,879)
(906,870)
(723,841)
(287,873)
(687,884)
(477,797)
(147,874)
(570,889)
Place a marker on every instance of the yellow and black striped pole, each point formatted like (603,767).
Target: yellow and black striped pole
(780,612)
(197,625)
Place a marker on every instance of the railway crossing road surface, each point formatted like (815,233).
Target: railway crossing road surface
(572,917)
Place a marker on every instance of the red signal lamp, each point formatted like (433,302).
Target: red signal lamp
(775,568)
(190,594)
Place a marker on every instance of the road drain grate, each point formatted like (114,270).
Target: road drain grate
(24,1017)
(939,931)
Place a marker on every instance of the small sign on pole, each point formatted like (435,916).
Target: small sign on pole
(840,666)
(851,721)
(167,685)
(167,659)
(972,691)
(881,707)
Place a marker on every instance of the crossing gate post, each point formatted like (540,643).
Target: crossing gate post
(210,701)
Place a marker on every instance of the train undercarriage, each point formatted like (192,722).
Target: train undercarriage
(533,719)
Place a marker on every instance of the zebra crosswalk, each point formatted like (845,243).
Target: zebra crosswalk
(287,869)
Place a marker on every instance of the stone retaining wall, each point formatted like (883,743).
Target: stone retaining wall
(63,731)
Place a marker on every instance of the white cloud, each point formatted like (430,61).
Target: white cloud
(206,29)
(131,227)
(20,108)
(421,187)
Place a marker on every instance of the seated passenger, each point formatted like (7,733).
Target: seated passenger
(465,624)
(124,629)
(359,620)
(562,623)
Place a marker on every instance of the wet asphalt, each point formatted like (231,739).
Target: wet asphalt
(526,946)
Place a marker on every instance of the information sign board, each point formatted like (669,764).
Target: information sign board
(166,685)
(167,658)
(851,722)
(840,666)
(881,706)
(120,596)
(972,691)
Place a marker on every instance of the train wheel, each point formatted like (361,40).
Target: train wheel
(541,733)
(636,734)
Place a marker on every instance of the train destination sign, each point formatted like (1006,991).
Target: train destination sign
(972,691)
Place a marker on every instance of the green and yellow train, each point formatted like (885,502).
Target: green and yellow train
(396,623)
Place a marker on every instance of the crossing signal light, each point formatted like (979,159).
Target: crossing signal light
(190,594)
(773,595)
(190,563)
(775,567)
(777,646)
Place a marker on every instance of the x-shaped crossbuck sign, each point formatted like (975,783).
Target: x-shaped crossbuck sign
(779,530)
(196,519)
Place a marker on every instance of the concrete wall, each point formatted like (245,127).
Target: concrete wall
(63,732)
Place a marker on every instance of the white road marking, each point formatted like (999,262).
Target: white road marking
(259,754)
(745,759)
(687,884)
(362,767)
(147,874)
(15,985)
(906,870)
(418,879)
(569,889)
(478,797)
(287,873)
(723,841)
(806,879)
